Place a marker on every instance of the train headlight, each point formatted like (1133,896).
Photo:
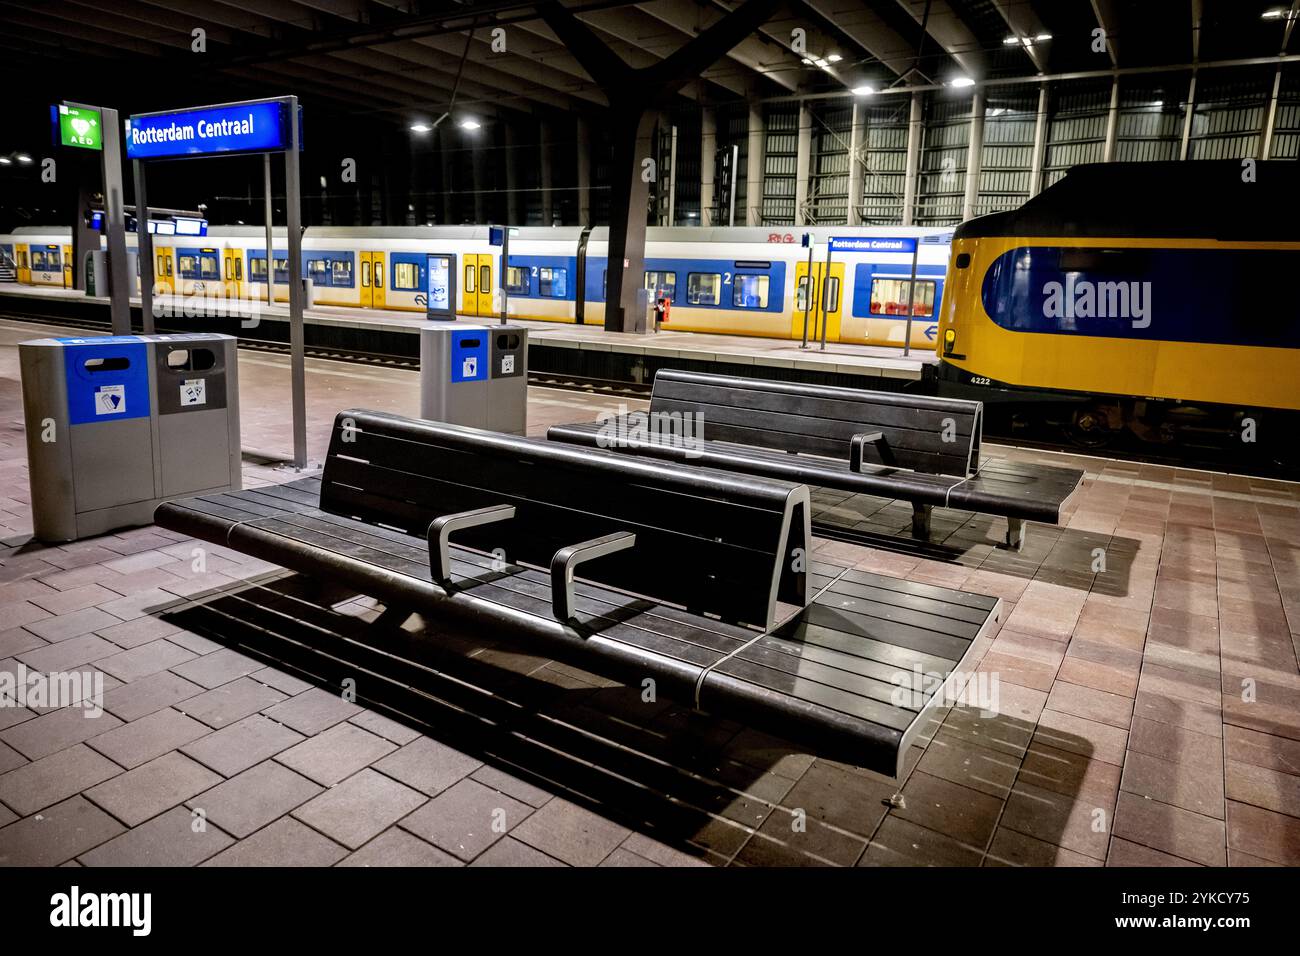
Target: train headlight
(949,340)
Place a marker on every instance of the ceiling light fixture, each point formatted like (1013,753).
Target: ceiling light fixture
(470,123)
(835,58)
(960,82)
(420,127)
(863,90)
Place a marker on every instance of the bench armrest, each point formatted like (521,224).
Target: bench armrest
(568,558)
(857,444)
(440,530)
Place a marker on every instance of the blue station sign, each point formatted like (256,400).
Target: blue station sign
(258,126)
(872,244)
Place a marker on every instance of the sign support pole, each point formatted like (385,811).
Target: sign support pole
(911,300)
(270,257)
(505,273)
(144,248)
(297,343)
(807,289)
(826,288)
(115,223)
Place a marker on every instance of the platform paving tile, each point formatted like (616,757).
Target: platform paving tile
(467,818)
(152,787)
(148,737)
(57,730)
(219,667)
(56,834)
(173,838)
(148,694)
(510,852)
(254,798)
(286,842)
(312,711)
(43,782)
(231,702)
(570,833)
(242,744)
(359,808)
(337,753)
(397,847)
(145,659)
(428,766)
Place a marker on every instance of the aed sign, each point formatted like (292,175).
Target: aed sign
(872,244)
(258,126)
(78,126)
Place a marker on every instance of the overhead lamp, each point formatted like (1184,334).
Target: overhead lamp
(470,123)
(5,161)
(1042,38)
(22,158)
(1275,13)
(806,62)
(958,82)
(835,58)
(1011,41)
(420,127)
(863,90)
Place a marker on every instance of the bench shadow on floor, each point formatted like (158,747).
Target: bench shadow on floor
(1083,560)
(708,786)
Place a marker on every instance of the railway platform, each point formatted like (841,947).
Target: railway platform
(556,349)
(1130,632)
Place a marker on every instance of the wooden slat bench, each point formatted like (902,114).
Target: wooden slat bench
(919,449)
(694,578)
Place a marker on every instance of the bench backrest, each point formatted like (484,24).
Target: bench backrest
(711,541)
(921,432)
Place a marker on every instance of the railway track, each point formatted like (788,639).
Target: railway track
(1201,459)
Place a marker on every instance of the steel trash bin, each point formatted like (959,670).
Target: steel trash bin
(475,375)
(117,424)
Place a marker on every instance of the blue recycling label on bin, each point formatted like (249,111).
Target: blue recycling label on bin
(469,355)
(107,380)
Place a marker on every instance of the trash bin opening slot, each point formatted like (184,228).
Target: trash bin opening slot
(191,360)
(112,364)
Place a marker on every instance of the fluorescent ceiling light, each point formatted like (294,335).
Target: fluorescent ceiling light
(420,127)
(961,81)
(470,124)
(835,58)
(23,158)
(863,90)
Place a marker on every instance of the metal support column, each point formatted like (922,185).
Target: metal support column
(974,159)
(270,224)
(144,248)
(297,345)
(1040,144)
(1186,143)
(754,168)
(545,147)
(803,165)
(115,223)
(1266,145)
(913,166)
(1112,123)
(584,173)
(708,167)
(512,174)
(857,133)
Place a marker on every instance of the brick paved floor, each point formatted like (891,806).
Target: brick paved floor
(1149,712)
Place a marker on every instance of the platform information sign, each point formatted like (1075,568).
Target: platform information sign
(78,126)
(258,126)
(872,244)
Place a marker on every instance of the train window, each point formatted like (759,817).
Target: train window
(703,288)
(379,270)
(517,280)
(257,269)
(341,274)
(365,273)
(160,268)
(469,278)
(484,278)
(317,269)
(749,291)
(239,268)
(831,294)
(189,267)
(281,270)
(892,297)
(406,276)
(22,260)
(552,282)
(664,284)
(208,268)
(801,295)
(230,270)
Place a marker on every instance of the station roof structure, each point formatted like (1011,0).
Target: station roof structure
(399,56)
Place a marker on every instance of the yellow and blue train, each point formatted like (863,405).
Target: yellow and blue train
(1141,297)
(743,281)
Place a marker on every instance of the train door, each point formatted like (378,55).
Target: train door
(827,301)
(485,285)
(364,298)
(67,268)
(377,297)
(469,284)
(233,271)
(24,264)
(164,278)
